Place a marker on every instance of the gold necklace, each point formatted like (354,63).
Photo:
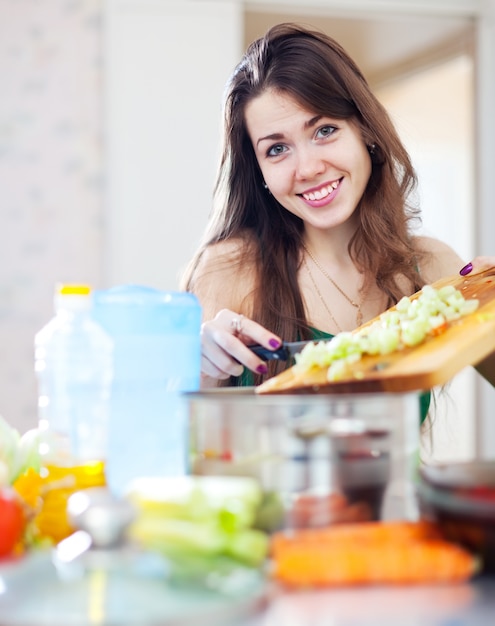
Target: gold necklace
(356,305)
(327,308)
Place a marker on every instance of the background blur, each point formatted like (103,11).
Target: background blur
(109,139)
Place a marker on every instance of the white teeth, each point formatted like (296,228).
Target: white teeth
(321,193)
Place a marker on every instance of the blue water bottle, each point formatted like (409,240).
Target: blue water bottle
(157,356)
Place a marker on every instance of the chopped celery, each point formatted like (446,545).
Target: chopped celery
(155,532)
(199,517)
(408,324)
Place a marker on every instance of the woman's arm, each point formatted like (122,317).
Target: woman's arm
(224,283)
(443,261)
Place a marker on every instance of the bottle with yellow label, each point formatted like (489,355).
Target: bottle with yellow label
(73,364)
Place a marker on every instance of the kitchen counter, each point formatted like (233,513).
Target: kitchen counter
(471,604)
(32,595)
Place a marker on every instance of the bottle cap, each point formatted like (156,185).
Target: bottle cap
(73,297)
(73,290)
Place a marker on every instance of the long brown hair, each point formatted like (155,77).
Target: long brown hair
(313,69)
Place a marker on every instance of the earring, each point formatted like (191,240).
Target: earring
(371,148)
(265,185)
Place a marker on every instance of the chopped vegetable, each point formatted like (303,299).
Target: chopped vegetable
(369,553)
(199,517)
(407,324)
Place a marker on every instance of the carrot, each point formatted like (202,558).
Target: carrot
(429,561)
(369,552)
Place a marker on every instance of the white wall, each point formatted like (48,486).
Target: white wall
(166,65)
(51,176)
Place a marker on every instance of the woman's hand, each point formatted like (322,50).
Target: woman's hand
(478,264)
(224,342)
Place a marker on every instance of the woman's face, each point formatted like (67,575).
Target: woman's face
(316,167)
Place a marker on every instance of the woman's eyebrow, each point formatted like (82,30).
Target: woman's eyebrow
(314,120)
(273,137)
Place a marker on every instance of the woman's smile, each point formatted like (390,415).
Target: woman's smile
(322,195)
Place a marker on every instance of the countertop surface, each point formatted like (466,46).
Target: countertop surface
(469,604)
(31,594)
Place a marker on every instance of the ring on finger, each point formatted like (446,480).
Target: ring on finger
(236,324)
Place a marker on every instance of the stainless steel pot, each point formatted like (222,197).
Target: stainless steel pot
(319,458)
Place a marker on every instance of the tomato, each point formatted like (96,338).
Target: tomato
(12,521)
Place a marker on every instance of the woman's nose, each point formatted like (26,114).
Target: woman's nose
(309,163)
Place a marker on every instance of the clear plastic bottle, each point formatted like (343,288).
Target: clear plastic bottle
(73,364)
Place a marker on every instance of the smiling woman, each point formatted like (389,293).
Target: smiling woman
(312,230)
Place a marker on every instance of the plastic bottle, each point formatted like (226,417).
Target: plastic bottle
(73,364)
(157,358)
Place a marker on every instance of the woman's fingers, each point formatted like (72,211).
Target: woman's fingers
(224,345)
(478,264)
(212,371)
(216,360)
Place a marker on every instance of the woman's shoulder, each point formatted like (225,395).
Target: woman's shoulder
(439,259)
(225,275)
(229,255)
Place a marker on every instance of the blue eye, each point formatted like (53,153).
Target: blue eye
(276,150)
(326,131)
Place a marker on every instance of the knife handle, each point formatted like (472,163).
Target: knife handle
(280,354)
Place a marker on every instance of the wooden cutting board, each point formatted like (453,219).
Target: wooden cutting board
(434,362)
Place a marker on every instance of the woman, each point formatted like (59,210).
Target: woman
(311,230)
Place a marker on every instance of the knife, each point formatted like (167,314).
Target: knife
(286,351)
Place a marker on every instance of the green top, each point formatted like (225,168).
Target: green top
(246,379)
